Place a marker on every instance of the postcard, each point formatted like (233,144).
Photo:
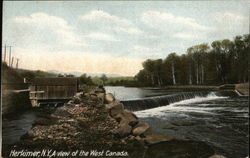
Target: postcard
(125,79)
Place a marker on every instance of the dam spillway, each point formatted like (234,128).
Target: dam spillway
(152,102)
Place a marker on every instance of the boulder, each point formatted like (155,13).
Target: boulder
(43,121)
(101,96)
(76,100)
(114,108)
(100,89)
(155,138)
(140,140)
(79,95)
(124,129)
(140,128)
(109,98)
(128,117)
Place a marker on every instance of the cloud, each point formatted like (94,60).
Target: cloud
(158,19)
(143,52)
(40,26)
(119,24)
(223,17)
(101,36)
(142,49)
(101,16)
(133,31)
(186,35)
(229,24)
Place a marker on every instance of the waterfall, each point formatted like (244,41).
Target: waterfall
(153,102)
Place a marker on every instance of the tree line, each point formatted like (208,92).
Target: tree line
(221,62)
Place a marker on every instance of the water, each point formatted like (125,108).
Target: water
(17,124)
(219,121)
(125,93)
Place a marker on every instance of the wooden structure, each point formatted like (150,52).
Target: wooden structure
(52,90)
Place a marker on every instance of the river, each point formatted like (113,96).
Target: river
(219,121)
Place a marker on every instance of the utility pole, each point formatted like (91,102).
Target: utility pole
(10,56)
(12,60)
(4,55)
(17,63)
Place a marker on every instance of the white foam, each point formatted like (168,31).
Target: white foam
(161,111)
(238,93)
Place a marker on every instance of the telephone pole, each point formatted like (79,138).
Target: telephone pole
(4,55)
(12,60)
(17,63)
(10,57)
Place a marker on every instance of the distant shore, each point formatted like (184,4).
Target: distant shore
(242,88)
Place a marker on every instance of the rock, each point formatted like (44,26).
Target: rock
(101,96)
(62,112)
(109,98)
(140,140)
(43,121)
(128,117)
(93,96)
(217,156)
(100,89)
(79,95)
(157,138)
(50,136)
(76,100)
(70,102)
(115,108)
(140,128)
(124,129)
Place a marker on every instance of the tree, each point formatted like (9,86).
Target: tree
(148,65)
(172,58)
(84,79)
(103,78)
(225,61)
(29,75)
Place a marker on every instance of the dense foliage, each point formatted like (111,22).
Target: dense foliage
(224,61)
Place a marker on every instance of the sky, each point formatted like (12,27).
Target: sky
(114,37)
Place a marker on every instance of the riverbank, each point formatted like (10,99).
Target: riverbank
(97,122)
(242,88)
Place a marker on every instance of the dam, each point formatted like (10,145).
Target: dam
(157,101)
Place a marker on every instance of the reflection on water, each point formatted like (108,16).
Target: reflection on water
(17,124)
(128,93)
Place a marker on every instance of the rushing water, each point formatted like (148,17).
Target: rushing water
(219,121)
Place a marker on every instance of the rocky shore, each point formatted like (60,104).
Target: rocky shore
(97,123)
